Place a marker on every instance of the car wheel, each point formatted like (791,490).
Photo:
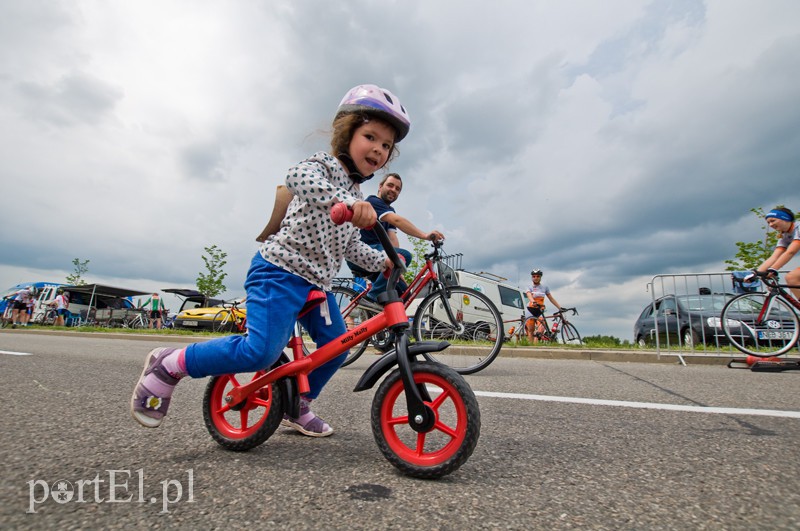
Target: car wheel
(690,338)
(640,342)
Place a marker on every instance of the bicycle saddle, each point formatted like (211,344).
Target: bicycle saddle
(314,299)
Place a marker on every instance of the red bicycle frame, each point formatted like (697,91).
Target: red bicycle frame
(392,316)
(421,418)
(425,275)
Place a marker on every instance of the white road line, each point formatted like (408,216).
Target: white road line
(645,405)
(10,353)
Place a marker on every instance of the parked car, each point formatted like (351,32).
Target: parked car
(682,320)
(191,298)
(202,318)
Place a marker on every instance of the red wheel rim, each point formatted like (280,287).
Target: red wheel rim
(240,423)
(447,434)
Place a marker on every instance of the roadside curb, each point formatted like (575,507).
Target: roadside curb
(612,355)
(633,356)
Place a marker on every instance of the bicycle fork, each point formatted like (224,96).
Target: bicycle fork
(455,320)
(421,417)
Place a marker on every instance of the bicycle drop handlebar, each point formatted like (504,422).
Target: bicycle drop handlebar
(564,310)
(770,277)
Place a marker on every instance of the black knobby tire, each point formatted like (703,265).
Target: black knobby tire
(476,338)
(356,316)
(757,333)
(570,335)
(451,440)
(247,424)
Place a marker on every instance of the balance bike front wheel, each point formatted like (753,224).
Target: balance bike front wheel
(247,424)
(451,439)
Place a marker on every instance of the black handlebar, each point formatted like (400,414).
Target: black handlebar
(341,213)
(573,310)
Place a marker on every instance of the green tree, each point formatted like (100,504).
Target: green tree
(750,255)
(210,284)
(76,278)
(417,258)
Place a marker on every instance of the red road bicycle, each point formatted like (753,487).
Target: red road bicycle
(424,416)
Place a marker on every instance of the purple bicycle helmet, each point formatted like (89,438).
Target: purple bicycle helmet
(371,99)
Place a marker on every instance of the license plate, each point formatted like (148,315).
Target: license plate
(774,334)
(190,323)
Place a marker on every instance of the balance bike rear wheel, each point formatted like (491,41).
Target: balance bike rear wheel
(454,435)
(247,424)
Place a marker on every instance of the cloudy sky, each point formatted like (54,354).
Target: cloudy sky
(604,142)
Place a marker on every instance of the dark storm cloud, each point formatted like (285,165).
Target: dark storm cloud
(602,144)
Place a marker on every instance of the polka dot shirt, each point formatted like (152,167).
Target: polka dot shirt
(308,243)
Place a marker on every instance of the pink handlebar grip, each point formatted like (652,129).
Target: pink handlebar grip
(340,213)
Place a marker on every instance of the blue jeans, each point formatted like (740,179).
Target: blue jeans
(274,298)
(380,283)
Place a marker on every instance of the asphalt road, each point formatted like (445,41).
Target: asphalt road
(724,456)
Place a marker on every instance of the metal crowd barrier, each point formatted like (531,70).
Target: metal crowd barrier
(700,298)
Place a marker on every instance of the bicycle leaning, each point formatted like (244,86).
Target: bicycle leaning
(230,319)
(464,317)
(763,324)
(136,318)
(424,416)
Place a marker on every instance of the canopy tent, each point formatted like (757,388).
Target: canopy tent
(96,290)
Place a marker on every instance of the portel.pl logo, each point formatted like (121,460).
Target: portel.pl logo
(117,486)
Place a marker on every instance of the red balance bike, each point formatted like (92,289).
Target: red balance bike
(425,417)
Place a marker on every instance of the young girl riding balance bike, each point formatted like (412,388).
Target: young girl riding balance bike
(304,255)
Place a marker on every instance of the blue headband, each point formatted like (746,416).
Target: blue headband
(780,214)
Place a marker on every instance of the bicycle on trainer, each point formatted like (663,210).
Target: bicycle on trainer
(550,333)
(230,319)
(465,317)
(424,416)
(763,324)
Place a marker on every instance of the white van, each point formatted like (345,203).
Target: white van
(508,299)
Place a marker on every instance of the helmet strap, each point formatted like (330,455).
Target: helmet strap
(353,172)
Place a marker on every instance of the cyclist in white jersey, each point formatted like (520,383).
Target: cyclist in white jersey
(19,314)
(536,292)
